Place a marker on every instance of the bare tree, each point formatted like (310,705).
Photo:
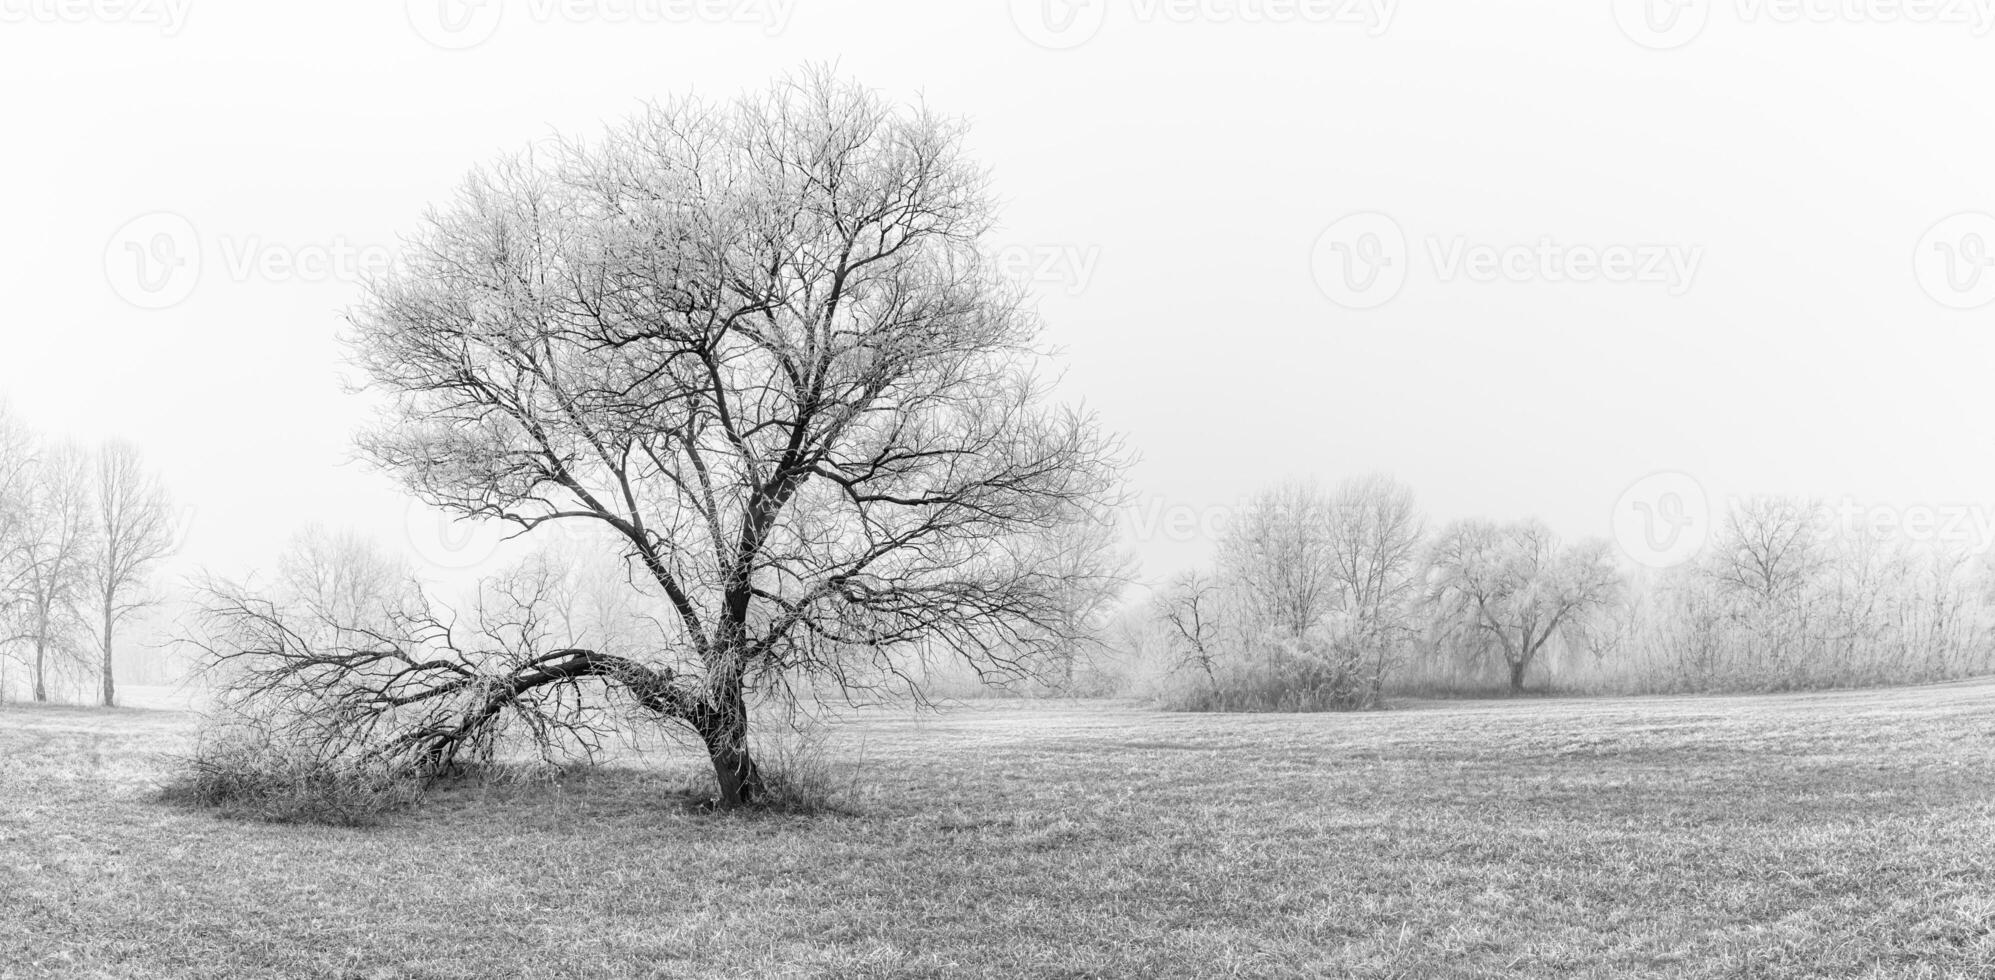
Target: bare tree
(1189,608)
(1769,548)
(133,533)
(341,573)
(1277,551)
(1769,562)
(760,344)
(1374,537)
(1092,568)
(53,555)
(1515,585)
(17,458)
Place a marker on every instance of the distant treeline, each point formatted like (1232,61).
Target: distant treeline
(1343,599)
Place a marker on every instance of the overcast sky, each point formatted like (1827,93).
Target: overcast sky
(1522,255)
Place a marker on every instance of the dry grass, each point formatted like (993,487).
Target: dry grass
(1814,835)
(245,773)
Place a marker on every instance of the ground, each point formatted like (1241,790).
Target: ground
(1845,834)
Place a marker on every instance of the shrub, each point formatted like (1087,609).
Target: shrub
(799,775)
(1294,675)
(246,772)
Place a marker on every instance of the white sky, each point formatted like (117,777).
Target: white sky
(1188,163)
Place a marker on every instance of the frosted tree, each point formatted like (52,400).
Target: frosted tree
(132,533)
(1516,586)
(760,344)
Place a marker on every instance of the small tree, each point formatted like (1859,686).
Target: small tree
(1769,562)
(340,572)
(1092,568)
(758,343)
(1514,585)
(52,555)
(1374,538)
(1769,549)
(1189,609)
(133,532)
(1277,552)
(17,459)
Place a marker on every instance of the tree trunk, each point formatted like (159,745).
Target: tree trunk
(41,667)
(1517,676)
(723,726)
(110,688)
(739,778)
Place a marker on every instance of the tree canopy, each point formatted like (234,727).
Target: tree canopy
(758,341)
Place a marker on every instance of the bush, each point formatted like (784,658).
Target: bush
(245,772)
(1282,676)
(800,775)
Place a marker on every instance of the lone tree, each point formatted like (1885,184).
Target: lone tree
(761,344)
(134,532)
(1515,584)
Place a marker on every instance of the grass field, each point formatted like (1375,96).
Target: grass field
(1832,835)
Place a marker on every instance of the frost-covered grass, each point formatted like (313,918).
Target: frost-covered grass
(1805,835)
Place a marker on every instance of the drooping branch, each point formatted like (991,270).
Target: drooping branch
(408,682)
